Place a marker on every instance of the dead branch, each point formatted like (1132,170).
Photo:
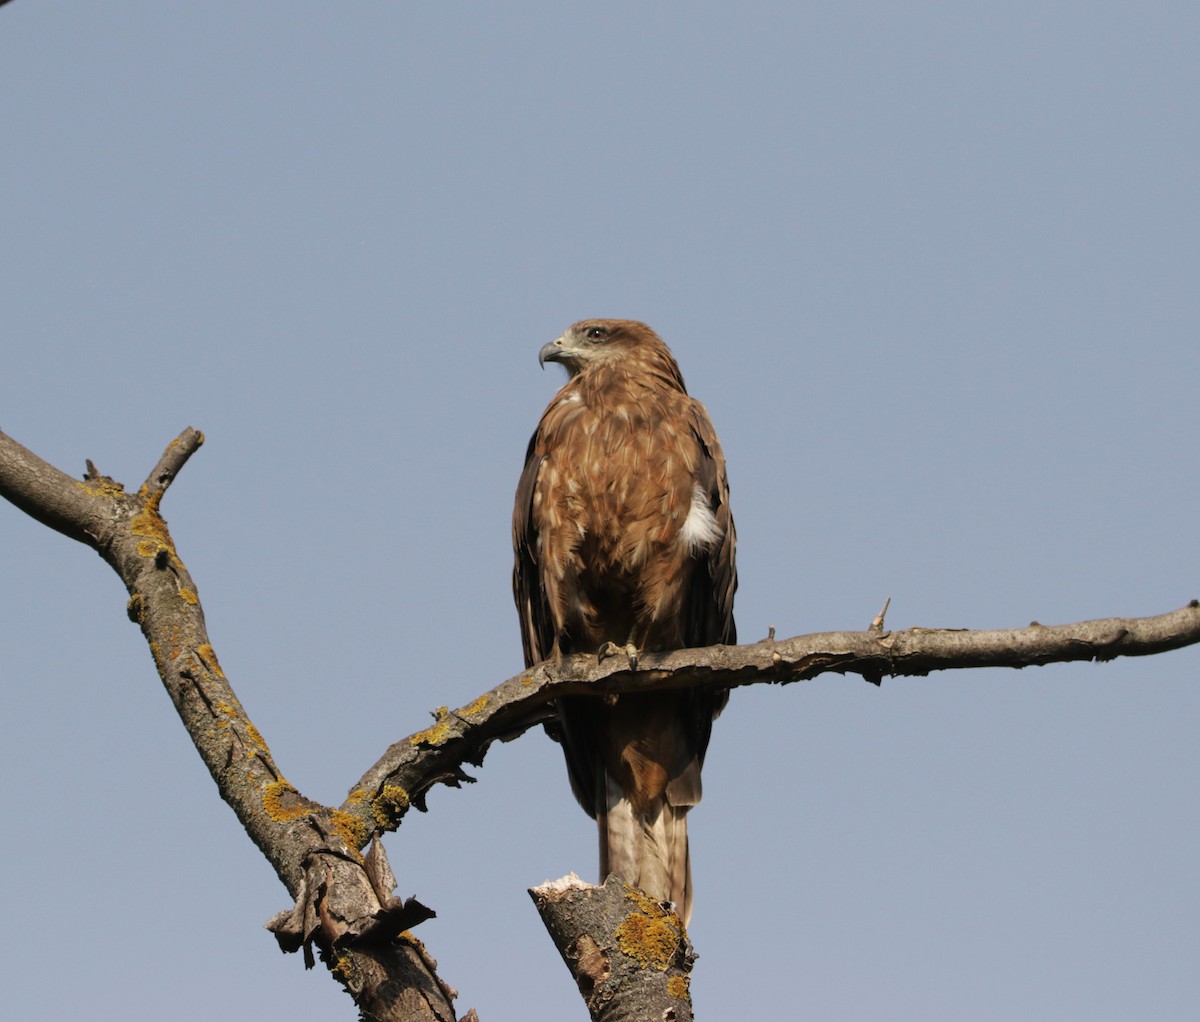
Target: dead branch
(345,906)
(411,766)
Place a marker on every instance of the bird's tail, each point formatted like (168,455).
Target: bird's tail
(648,848)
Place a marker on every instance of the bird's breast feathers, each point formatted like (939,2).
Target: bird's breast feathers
(624,477)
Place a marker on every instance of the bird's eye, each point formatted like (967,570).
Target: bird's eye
(596,332)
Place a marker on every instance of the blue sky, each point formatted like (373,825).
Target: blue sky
(932,268)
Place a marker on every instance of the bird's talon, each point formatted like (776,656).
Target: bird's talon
(612,649)
(607,650)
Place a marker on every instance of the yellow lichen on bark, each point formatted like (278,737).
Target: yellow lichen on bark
(679,987)
(148,548)
(650,935)
(475,707)
(255,737)
(208,657)
(343,969)
(149,524)
(103,487)
(282,802)
(389,806)
(436,733)
(350,829)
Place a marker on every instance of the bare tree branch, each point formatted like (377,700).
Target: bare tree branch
(344,900)
(435,755)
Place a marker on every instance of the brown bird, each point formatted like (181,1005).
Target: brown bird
(623,539)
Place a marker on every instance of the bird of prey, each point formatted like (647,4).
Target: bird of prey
(624,541)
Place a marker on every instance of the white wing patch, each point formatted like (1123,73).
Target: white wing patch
(700,529)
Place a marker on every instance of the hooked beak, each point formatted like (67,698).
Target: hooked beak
(552,352)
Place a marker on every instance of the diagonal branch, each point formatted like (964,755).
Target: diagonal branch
(344,900)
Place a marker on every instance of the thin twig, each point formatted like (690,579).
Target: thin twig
(171,463)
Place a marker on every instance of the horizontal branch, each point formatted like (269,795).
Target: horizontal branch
(435,755)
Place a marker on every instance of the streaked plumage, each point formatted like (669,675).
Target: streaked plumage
(623,535)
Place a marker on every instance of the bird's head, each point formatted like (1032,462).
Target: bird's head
(592,342)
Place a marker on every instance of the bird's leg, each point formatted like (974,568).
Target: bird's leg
(612,649)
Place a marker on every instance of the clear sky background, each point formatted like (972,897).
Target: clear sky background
(931,266)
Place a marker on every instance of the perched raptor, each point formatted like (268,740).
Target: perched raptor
(623,538)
